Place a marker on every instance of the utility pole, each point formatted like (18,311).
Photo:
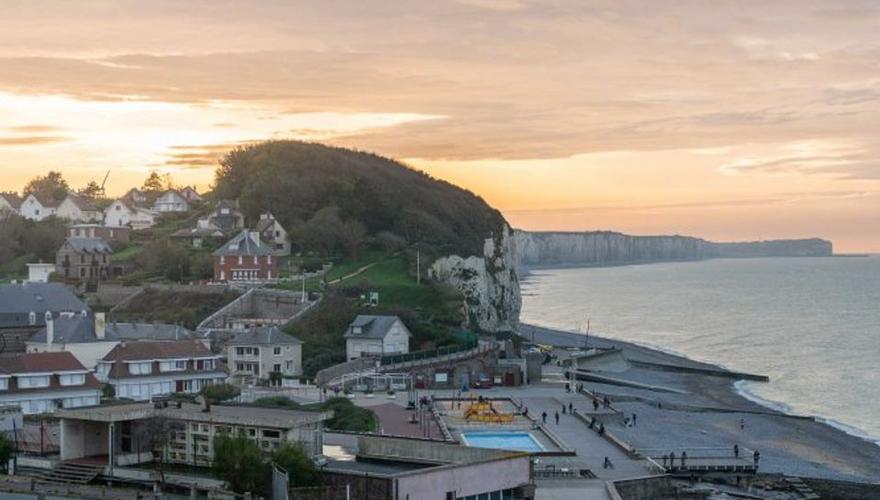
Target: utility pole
(418,267)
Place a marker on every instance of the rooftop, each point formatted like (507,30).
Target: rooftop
(243,244)
(78,329)
(88,245)
(152,350)
(263,335)
(371,327)
(41,362)
(17,301)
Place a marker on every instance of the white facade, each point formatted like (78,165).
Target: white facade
(120,214)
(261,360)
(32,209)
(68,209)
(171,201)
(396,341)
(39,273)
(6,206)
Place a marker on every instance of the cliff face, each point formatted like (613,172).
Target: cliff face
(600,248)
(489,282)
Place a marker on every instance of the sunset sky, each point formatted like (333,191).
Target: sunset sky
(729,120)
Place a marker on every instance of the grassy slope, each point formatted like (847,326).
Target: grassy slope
(184,308)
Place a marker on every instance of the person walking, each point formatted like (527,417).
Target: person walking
(742,424)
(607,464)
(672,459)
(595,404)
(563,409)
(736,451)
(607,402)
(665,457)
(757,457)
(557,418)
(569,407)
(544,417)
(634,419)
(684,456)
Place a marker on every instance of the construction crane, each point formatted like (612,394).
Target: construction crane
(103,192)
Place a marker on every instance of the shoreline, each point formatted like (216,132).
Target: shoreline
(806,444)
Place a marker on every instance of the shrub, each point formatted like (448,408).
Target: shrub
(216,393)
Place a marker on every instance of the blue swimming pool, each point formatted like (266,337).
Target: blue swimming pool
(502,440)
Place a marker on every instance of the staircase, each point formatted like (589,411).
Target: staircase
(803,490)
(71,473)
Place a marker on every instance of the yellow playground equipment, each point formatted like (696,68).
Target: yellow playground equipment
(483,411)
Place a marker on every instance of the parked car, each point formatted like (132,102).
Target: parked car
(483,382)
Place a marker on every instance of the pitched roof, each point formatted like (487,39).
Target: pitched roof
(173,193)
(45,200)
(12,199)
(243,244)
(372,327)
(18,300)
(81,329)
(42,362)
(263,335)
(82,202)
(149,350)
(88,245)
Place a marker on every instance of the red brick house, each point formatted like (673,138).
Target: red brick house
(245,259)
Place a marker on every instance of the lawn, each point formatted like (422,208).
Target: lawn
(16,268)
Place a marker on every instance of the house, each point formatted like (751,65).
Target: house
(78,208)
(85,259)
(122,213)
(199,235)
(23,309)
(9,202)
(136,197)
(171,201)
(371,335)
(190,194)
(273,233)
(90,337)
(104,434)
(259,352)
(40,272)
(245,259)
(121,234)
(226,216)
(43,382)
(141,370)
(38,207)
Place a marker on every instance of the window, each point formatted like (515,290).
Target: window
(72,379)
(33,381)
(142,368)
(222,260)
(290,365)
(271,434)
(174,365)
(240,260)
(276,351)
(4,384)
(276,367)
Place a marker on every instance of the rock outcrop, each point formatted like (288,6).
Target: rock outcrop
(489,283)
(606,248)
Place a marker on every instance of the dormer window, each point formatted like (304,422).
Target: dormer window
(33,381)
(72,379)
(4,383)
(141,368)
(357,330)
(32,318)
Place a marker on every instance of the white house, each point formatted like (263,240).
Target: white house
(375,336)
(42,382)
(141,370)
(9,202)
(78,208)
(190,194)
(273,233)
(259,352)
(123,213)
(39,272)
(38,207)
(171,201)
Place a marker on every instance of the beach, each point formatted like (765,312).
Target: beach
(682,403)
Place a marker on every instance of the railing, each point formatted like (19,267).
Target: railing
(394,359)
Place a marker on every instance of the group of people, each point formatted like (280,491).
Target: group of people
(670,459)
(605,402)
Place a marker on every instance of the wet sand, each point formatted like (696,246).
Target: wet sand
(700,410)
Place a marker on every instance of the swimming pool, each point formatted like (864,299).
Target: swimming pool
(502,440)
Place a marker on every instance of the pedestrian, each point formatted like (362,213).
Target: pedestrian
(607,402)
(684,456)
(607,464)
(563,409)
(672,459)
(634,420)
(544,417)
(557,418)
(742,424)
(595,404)
(736,451)
(757,457)
(569,407)
(601,429)
(526,411)
(665,457)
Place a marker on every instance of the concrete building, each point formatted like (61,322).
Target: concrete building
(85,259)
(171,201)
(245,259)
(23,309)
(259,352)
(412,468)
(371,335)
(9,202)
(43,382)
(39,272)
(90,338)
(38,207)
(78,208)
(125,213)
(142,370)
(273,233)
(115,435)
(121,234)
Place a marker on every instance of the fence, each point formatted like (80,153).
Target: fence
(394,359)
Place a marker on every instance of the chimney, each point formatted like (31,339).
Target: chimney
(50,329)
(100,326)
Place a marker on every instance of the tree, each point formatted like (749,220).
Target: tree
(52,186)
(154,183)
(238,460)
(44,238)
(217,393)
(293,457)
(166,259)
(92,191)
(6,449)
(155,432)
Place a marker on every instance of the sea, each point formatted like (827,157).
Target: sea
(811,324)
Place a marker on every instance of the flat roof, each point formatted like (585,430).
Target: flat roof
(374,467)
